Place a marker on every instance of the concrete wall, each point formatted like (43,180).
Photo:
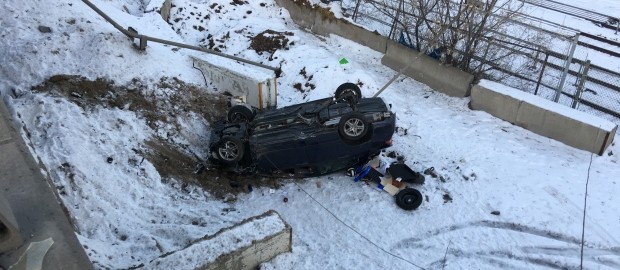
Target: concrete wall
(326,26)
(544,117)
(445,79)
(258,90)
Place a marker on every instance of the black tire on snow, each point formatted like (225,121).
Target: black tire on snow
(348,89)
(229,150)
(409,199)
(353,127)
(240,113)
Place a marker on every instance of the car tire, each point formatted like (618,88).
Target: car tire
(409,199)
(240,113)
(348,89)
(229,150)
(353,127)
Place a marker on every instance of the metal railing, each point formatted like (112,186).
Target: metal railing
(556,69)
(133,34)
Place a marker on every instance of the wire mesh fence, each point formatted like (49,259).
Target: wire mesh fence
(527,53)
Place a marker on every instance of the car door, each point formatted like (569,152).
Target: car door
(280,149)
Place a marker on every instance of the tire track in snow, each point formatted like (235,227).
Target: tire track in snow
(497,256)
(578,211)
(494,225)
(502,258)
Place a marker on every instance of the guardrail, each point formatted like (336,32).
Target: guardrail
(132,33)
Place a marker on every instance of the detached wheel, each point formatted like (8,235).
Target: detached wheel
(240,113)
(409,199)
(229,150)
(348,90)
(353,127)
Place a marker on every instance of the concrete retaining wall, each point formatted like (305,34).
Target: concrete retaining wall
(546,118)
(325,26)
(445,79)
(244,246)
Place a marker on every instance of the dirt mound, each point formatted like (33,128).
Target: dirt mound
(163,102)
(270,41)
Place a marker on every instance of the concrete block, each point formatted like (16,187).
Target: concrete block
(244,246)
(495,103)
(543,117)
(254,87)
(446,79)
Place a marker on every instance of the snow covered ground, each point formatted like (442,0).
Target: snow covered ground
(127,212)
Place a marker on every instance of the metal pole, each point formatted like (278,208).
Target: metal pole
(542,71)
(357,6)
(134,34)
(582,82)
(566,68)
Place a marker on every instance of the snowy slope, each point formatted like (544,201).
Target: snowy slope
(128,213)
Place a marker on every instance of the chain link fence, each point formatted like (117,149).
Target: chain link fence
(527,53)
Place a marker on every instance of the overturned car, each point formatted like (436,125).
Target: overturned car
(311,138)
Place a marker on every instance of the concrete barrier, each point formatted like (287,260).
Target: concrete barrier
(301,13)
(325,26)
(541,116)
(446,79)
(252,86)
(244,246)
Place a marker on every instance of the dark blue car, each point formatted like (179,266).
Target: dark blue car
(311,138)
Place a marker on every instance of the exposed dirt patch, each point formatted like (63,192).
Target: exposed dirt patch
(160,104)
(270,41)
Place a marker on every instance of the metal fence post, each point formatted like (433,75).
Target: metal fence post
(583,77)
(558,92)
(357,6)
(395,21)
(542,71)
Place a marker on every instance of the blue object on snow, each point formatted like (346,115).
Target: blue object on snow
(362,173)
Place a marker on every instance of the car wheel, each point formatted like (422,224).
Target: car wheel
(353,127)
(229,150)
(240,113)
(348,90)
(409,199)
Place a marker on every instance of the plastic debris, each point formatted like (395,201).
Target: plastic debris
(32,259)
